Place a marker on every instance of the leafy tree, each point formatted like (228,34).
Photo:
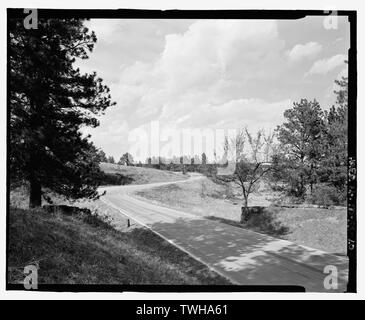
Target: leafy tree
(234,147)
(249,169)
(186,159)
(162,160)
(126,159)
(175,160)
(269,146)
(197,159)
(102,156)
(204,159)
(247,176)
(301,138)
(122,161)
(155,160)
(111,159)
(256,143)
(50,101)
(342,93)
(335,162)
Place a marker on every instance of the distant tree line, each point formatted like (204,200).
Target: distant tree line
(176,164)
(184,164)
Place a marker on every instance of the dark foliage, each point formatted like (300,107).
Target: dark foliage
(106,179)
(50,101)
(327,195)
(126,159)
(301,137)
(209,169)
(313,146)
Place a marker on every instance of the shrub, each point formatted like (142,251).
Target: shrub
(93,218)
(114,179)
(264,220)
(325,195)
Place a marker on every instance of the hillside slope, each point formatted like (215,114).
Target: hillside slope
(140,175)
(85,249)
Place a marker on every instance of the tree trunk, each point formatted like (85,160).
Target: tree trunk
(311,179)
(244,212)
(35,194)
(302,182)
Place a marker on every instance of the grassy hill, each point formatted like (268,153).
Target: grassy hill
(139,175)
(85,249)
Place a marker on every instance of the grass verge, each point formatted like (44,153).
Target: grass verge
(86,249)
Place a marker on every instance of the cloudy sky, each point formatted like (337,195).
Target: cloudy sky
(211,73)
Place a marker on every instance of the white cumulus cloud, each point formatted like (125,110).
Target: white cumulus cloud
(302,51)
(326,65)
(212,63)
(200,74)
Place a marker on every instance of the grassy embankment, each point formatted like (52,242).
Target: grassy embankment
(324,229)
(140,175)
(95,248)
(82,249)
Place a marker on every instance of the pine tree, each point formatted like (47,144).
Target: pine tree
(50,101)
(301,137)
(204,159)
(126,159)
(335,162)
(111,159)
(102,156)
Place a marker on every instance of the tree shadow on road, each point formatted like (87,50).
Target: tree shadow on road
(251,258)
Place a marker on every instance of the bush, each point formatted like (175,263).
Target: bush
(114,179)
(325,195)
(92,218)
(264,220)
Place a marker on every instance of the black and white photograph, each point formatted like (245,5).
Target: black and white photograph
(181,150)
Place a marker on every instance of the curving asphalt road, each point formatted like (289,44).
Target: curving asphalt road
(243,256)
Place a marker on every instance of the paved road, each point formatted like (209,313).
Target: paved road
(245,257)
